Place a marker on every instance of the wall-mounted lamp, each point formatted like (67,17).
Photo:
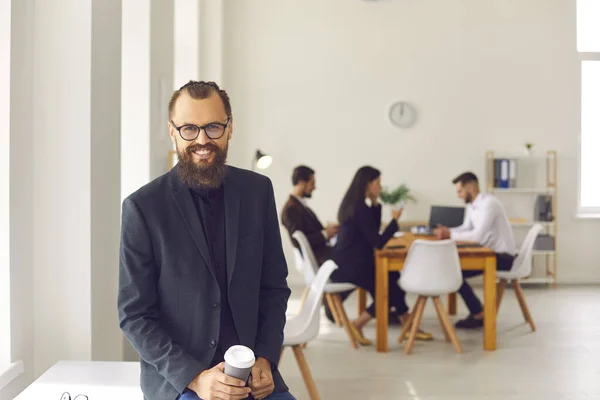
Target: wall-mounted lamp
(261,160)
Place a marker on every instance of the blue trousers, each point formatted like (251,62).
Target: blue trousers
(190,395)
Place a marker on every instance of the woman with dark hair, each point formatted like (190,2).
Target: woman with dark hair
(358,237)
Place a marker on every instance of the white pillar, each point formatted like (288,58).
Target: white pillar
(5,46)
(21,189)
(135,96)
(211,41)
(105,177)
(186,42)
(147,85)
(161,83)
(76,181)
(22,138)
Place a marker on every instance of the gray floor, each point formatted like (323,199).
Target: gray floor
(561,361)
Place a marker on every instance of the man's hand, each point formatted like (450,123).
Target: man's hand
(261,381)
(442,232)
(213,384)
(331,230)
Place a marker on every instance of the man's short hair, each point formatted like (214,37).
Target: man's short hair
(302,173)
(466,177)
(200,90)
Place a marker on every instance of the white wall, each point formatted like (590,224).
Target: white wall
(5,25)
(21,198)
(311,82)
(135,96)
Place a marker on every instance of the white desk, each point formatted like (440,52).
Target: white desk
(97,379)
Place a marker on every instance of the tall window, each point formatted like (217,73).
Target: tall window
(588,47)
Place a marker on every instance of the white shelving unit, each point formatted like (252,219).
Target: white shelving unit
(537,185)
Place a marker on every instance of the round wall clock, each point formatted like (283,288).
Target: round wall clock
(403,114)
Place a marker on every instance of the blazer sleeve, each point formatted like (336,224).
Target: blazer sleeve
(137,304)
(368,220)
(293,220)
(274,291)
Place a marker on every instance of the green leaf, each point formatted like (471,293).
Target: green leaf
(401,193)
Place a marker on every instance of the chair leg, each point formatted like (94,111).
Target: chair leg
(452,303)
(500,292)
(448,328)
(521,297)
(333,309)
(362,300)
(415,324)
(437,300)
(337,302)
(406,325)
(306,375)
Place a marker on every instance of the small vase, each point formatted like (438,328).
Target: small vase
(527,151)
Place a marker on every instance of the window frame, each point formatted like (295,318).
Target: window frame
(583,212)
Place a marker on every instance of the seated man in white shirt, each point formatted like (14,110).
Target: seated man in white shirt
(485,223)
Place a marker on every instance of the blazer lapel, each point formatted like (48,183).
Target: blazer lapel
(232,212)
(187,208)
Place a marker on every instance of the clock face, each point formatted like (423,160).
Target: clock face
(403,114)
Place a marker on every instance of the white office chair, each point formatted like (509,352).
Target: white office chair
(521,268)
(431,269)
(305,326)
(332,289)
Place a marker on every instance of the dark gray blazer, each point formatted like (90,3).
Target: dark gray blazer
(168,296)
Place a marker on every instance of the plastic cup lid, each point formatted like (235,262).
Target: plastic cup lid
(239,357)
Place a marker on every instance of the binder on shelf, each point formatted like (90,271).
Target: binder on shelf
(504,174)
(512,172)
(496,172)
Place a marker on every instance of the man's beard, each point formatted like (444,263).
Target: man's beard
(468,198)
(306,195)
(202,174)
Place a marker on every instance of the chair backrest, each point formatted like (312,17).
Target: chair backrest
(307,321)
(432,268)
(303,267)
(310,261)
(522,263)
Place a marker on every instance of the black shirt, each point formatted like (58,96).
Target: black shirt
(210,205)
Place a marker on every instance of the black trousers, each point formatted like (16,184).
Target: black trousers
(396,296)
(504,262)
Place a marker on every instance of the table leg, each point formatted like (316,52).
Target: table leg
(381,302)
(362,300)
(489,304)
(452,303)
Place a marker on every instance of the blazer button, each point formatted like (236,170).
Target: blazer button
(212,343)
(216,306)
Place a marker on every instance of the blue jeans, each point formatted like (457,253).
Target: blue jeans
(189,395)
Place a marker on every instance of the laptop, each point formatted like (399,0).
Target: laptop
(443,215)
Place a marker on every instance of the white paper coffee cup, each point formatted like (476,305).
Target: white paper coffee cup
(239,361)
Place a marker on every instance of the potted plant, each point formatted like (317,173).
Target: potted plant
(396,197)
(528,147)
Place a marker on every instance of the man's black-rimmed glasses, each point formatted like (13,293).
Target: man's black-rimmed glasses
(189,132)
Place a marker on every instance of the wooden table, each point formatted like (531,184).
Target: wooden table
(474,258)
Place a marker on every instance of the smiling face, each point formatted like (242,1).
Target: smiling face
(202,161)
